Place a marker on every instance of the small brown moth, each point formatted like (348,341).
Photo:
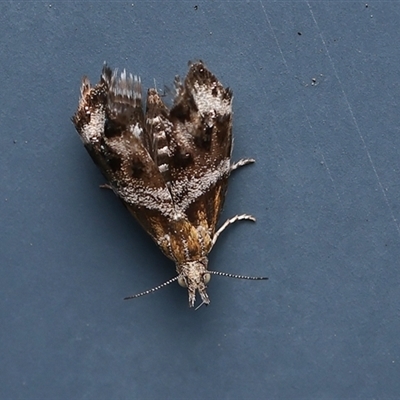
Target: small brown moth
(170,167)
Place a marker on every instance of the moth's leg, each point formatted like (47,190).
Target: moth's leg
(105,186)
(229,222)
(240,163)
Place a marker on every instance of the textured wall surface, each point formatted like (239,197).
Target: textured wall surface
(316,87)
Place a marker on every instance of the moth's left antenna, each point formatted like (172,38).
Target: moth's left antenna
(152,290)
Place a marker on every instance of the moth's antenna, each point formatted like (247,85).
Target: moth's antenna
(252,278)
(152,290)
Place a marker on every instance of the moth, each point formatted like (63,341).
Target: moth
(169,165)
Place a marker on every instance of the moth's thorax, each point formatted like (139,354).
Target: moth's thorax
(194,276)
(185,242)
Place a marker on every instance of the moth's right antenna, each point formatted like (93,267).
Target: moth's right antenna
(252,278)
(152,290)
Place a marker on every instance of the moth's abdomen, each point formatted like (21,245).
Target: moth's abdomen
(160,130)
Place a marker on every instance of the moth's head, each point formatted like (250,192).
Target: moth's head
(194,276)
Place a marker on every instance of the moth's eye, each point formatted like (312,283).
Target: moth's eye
(181,281)
(206,278)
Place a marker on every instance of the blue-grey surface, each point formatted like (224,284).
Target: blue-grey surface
(316,88)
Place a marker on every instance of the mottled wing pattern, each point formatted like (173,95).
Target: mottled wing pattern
(110,121)
(170,167)
(194,144)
